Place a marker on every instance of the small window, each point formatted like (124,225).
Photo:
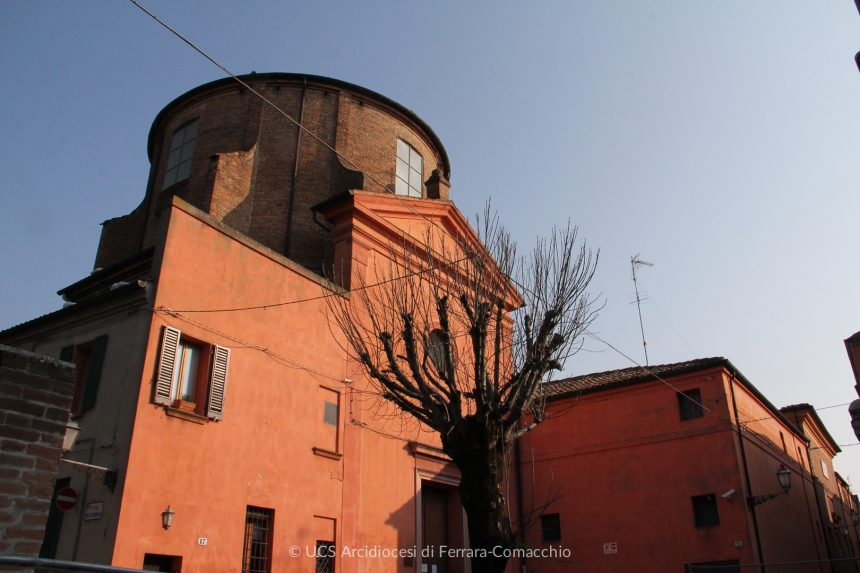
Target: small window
(88,358)
(325,557)
(782,439)
(179,156)
(257,553)
(437,351)
(410,171)
(690,404)
(705,510)
(330,414)
(191,374)
(800,457)
(824,469)
(550,527)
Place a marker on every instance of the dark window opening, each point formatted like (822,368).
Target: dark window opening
(88,358)
(166,563)
(715,567)
(437,350)
(550,527)
(325,557)
(690,404)
(257,554)
(705,510)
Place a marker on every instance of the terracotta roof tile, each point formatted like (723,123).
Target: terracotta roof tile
(612,378)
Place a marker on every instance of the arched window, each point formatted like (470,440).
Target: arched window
(437,352)
(410,171)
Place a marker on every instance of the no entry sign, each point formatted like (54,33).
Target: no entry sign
(67,498)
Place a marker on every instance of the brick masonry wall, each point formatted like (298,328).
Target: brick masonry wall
(254,197)
(35,398)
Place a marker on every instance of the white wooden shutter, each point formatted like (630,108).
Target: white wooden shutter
(218,383)
(166,365)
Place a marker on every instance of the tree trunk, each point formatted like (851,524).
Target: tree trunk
(479,454)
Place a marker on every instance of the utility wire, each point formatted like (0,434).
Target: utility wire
(286,115)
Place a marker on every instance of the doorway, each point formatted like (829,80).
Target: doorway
(434,512)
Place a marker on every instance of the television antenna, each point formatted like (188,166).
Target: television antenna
(634,262)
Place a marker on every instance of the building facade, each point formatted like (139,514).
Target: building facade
(659,468)
(209,377)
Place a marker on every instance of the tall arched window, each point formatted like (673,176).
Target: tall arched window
(410,170)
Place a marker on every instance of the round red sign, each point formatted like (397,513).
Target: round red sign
(67,498)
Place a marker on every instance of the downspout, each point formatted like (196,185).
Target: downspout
(83,498)
(818,507)
(520,495)
(295,170)
(746,471)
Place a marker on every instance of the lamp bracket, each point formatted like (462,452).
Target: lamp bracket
(755,500)
(102,475)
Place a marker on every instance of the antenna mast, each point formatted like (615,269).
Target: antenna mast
(634,261)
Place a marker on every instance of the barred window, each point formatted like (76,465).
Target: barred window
(690,404)
(550,526)
(179,156)
(325,557)
(705,510)
(257,554)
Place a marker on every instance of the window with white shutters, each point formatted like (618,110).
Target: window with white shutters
(166,365)
(218,382)
(182,363)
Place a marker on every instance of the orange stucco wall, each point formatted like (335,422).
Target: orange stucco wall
(626,467)
(285,361)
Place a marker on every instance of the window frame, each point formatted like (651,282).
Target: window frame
(210,379)
(550,531)
(186,149)
(699,518)
(690,405)
(404,176)
(253,512)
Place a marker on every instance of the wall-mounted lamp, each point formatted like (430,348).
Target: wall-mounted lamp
(855,517)
(784,477)
(72,431)
(167,518)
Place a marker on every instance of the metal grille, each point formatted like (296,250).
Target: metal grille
(690,403)
(330,414)
(325,557)
(256,557)
(550,527)
(705,510)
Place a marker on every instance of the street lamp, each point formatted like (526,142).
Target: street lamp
(784,477)
(167,518)
(783,474)
(72,431)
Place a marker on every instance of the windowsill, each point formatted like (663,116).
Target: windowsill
(189,416)
(327,454)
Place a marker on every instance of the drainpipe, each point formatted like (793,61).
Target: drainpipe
(520,495)
(83,499)
(818,506)
(295,170)
(746,471)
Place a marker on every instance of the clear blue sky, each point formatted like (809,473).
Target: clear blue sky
(719,139)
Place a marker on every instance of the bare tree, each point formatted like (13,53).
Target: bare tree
(459,332)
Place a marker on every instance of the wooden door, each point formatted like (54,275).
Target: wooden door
(435,530)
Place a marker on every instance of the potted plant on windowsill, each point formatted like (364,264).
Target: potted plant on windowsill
(186,403)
